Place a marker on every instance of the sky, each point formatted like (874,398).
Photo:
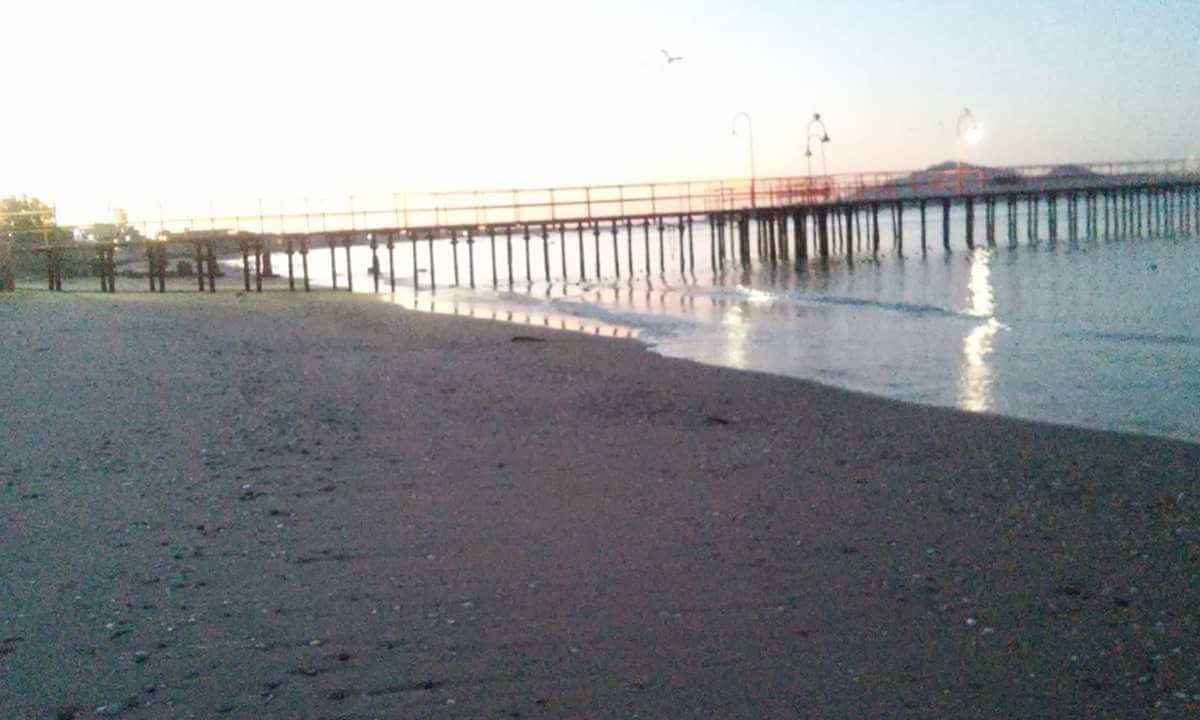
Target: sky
(170,107)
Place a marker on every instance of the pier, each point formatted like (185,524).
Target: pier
(611,232)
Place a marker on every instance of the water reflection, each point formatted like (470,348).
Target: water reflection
(975,375)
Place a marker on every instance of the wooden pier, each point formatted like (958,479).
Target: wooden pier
(612,230)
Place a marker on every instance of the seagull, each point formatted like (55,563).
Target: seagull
(670,58)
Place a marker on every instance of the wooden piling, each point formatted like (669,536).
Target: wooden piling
(492,244)
(691,245)
(291,267)
(245,247)
(150,266)
(528,262)
(433,264)
(454,255)
(800,220)
(545,253)
(970,221)
(875,228)
(196,247)
(617,253)
(823,230)
(508,249)
(946,224)
(596,238)
(212,266)
(662,256)
(349,267)
(391,248)
(562,252)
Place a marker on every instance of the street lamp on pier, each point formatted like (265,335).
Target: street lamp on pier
(823,137)
(750,136)
(968,130)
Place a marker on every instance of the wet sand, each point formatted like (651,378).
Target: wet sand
(326,507)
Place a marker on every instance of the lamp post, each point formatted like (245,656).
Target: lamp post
(823,137)
(750,134)
(973,134)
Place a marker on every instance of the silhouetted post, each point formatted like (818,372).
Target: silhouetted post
(682,249)
(769,231)
(616,241)
(291,266)
(662,257)
(471,257)
(304,262)
(528,265)
(849,236)
(245,246)
(946,224)
(112,270)
(875,227)
(1012,220)
(1052,214)
(199,264)
(970,201)
(596,243)
(924,245)
(800,220)
(823,230)
(391,248)
(454,254)
(582,255)
(101,270)
(349,267)
(646,245)
(562,251)
(257,265)
(433,266)
(991,221)
(150,263)
(744,239)
(492,240)
(212,266)
(545,253)
(332,259)
(899,226)
(712,243)
(162,267)
(508,247)
(1108,214)
(691,245)
(719,222)
(375,262)
(781,217)
(412,243)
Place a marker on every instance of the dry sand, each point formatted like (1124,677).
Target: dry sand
(325,507)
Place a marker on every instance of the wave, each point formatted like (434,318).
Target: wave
(794,298)
(1137,337)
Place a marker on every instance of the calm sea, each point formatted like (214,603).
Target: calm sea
(1095,333)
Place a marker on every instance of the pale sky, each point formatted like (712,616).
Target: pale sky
(136,104)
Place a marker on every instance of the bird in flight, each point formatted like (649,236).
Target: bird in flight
(670,58)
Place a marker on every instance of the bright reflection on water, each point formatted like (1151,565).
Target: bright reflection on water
(1096,333)
(975,380)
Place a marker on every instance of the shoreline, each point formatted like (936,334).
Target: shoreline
(249,492)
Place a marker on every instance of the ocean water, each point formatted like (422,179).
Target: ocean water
(1101,333)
